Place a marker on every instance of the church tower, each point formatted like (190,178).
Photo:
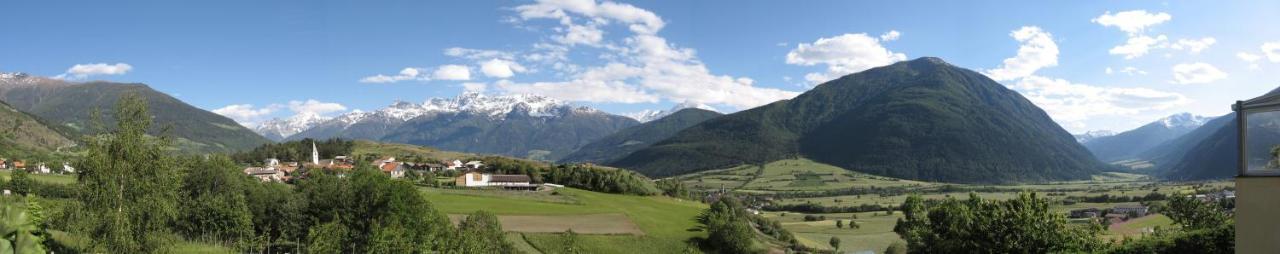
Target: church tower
(315,154)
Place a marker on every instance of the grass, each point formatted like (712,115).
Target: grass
(46,178)
(666,222)
(874,234)
(790,175)
(1140,226)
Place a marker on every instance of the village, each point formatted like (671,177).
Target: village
(468,174)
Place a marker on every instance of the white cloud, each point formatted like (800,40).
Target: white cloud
(82,71)
(452,72)
(1132,22)
(1138,46)
(409,73)
(499,68)
(641,68)
(1130,70)
(1194,46)
(1249,58)
(245,114)
(313,106)
(1196,73)
(1036,50)
(1272,50)
(1070,103)
(249,115)
(842,54)
(477,54)
(889,36)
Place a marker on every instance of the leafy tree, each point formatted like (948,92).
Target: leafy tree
(329,238)
(673,188)
(213,204)
(1023,224)
(20,182)
(835,243)
(1193,214)
(728,229)
(839,223)
(480,232)
(128,185)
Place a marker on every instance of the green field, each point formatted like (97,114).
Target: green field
(790,175)
(874,234)
(667,223)
(365,147)
(47,178)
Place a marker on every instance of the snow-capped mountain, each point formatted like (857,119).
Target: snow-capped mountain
(1133,143)
(647,115)
(518,125)
(1184,120)
(1094,134)
(277,128)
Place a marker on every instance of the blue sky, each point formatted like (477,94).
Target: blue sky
(253,60)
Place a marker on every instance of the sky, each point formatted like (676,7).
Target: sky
(1091,65)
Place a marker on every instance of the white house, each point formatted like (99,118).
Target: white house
(265,174)
(476,179)
(42,169)
(455,165)
(271,163)
(475,164)
(66,168)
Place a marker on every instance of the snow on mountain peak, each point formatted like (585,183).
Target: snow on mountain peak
(650,115)
(1094,134)
(1184,120)
(289,126)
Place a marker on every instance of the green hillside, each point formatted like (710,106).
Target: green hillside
(922,120)
(790,175)
(626,141)
(71,105)
(24,135)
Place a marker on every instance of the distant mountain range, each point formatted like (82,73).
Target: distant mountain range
(615,146)
(1130,144)
(69,105)
(277,129)
(650,115)
(922,119)
(1091,135)
(527,126)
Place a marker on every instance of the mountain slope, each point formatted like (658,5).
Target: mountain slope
(278,129)
(526,126)
(22,132)
(1216,155)
(922,119)
(626,141)
(1130,144)
(1170,152)
(71,104)
(1091,135)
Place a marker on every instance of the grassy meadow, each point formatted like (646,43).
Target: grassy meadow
(666,223)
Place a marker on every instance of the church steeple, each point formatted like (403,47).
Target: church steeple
(315,154)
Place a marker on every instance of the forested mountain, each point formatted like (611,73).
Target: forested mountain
(626,141)
(922,119)
(1130,144)
(1173,151)
(71,104)
(526,126)
(1216,156)
(22,133)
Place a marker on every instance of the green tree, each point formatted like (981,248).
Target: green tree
(571,242)
(1024,224)
(1193,214)
(20,230)
(212,204)
(835,243)
(839,223)
(480,232)
(128,184)
(329,238)
(20,182)
(728,228)
(896,248)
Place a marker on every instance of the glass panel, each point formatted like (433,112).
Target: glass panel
(1262,152)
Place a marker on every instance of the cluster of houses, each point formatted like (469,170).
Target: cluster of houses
(1117,214)
(37,168)
(275,171)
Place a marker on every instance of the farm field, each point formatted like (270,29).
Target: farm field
(666,223)
(875,232)
(790,175)
(48,178)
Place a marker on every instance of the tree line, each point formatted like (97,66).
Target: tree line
(133,196)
